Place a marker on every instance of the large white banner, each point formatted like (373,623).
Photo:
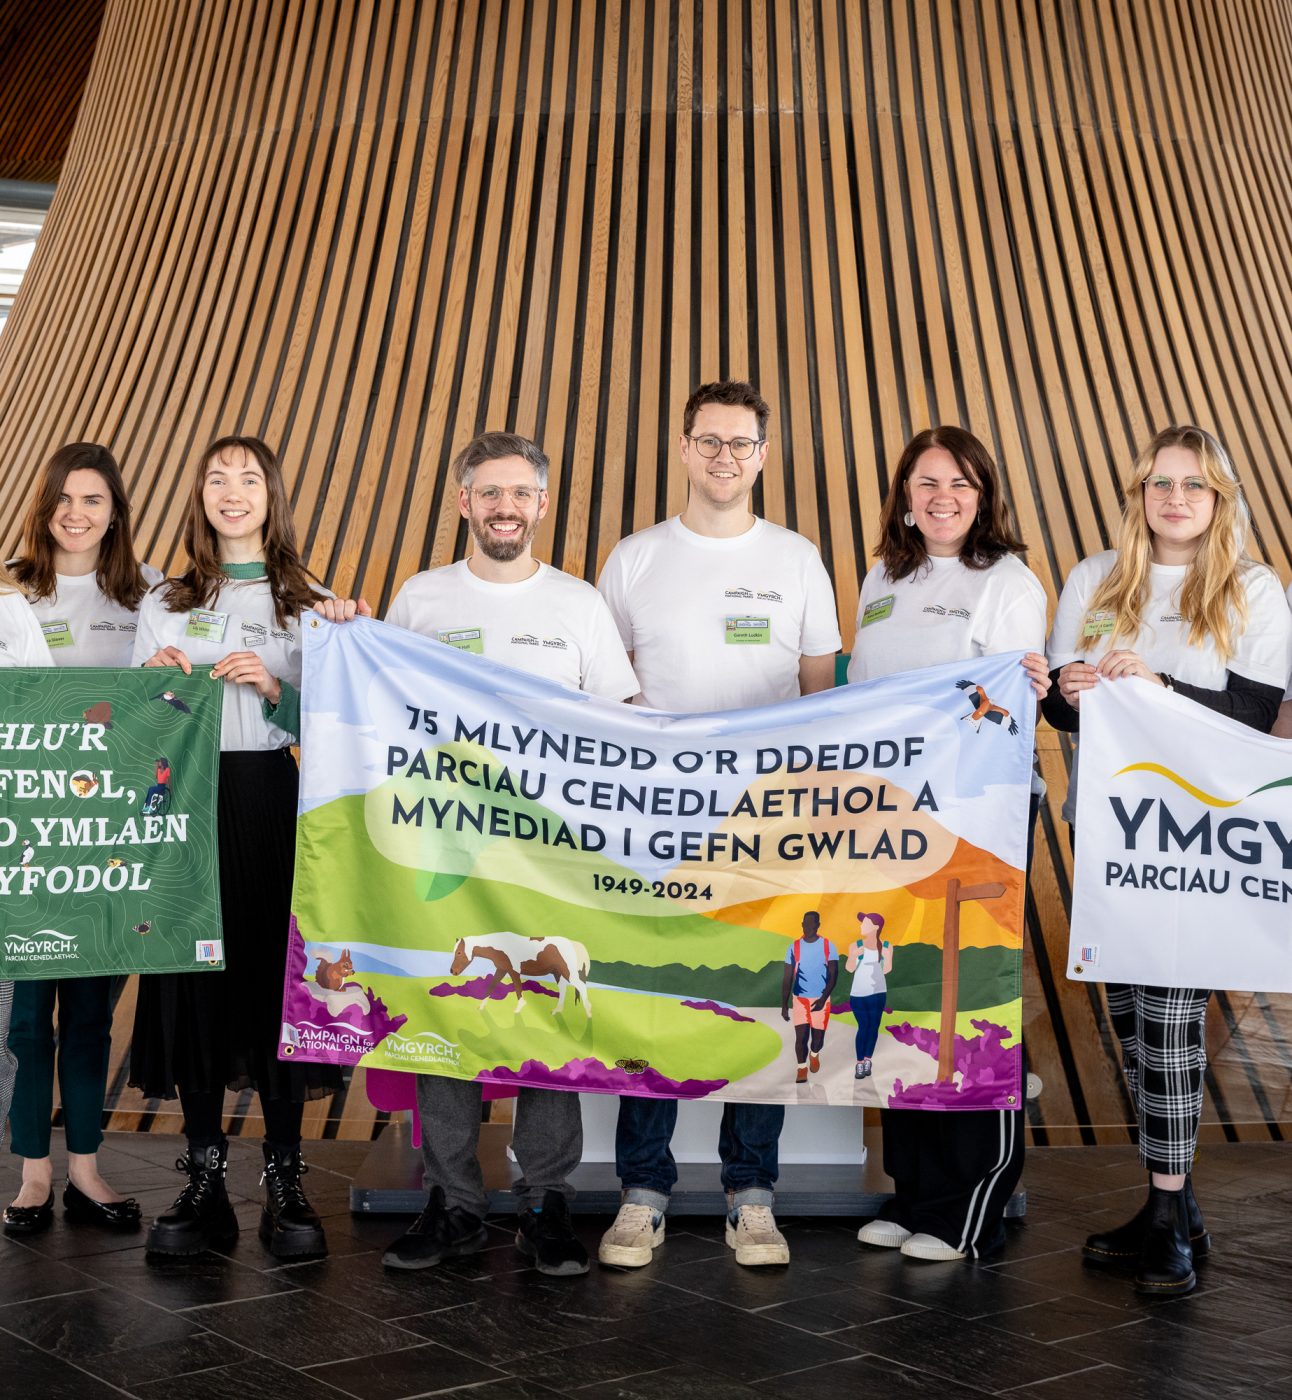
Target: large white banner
(1184,846)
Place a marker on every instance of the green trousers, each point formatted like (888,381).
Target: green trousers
(80,1053)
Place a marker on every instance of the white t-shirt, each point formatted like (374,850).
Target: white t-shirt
(1262,653)
(869,975)
(551,624)
(21,641)
(240,619)
(82,627)
(1287,694)
(719,624)
(945,612)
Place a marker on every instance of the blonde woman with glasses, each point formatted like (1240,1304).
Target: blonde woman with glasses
(1179,603)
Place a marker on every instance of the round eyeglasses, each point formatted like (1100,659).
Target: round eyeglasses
(1161,488)
(741,448)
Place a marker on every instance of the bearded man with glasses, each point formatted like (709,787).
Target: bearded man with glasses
(719,610)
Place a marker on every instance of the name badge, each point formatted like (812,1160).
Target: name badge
(464,638)
(748,631)
(1099,624)
(57,634)
(878,610)
(206,626)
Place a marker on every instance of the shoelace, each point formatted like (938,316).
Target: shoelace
(284,1180)
(637,1216)
(758,1219)
(201,1181)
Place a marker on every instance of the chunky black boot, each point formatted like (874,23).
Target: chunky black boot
(201,1217)
(288,1224)
(1123,1245)
(1165,1268)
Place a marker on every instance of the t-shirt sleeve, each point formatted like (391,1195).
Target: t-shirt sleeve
(1264,651)
(612,585)
(1069,618)
(820,632)
(1017,621)
(25,642)
(606,668)
(1287,689)
(789,955)
(398,612)
(147,638)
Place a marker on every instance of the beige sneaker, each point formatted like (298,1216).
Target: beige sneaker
(755,1237)
(632,1240)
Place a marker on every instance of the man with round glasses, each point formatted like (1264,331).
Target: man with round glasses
(502,603)
(719,610)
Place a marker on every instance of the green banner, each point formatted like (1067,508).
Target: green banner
(107,822)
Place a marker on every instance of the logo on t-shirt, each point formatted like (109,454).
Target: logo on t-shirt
(524,639)
(768,595)
(738,593)
(1171,617)
(939,611)
(254,634)
(105,627)
(557,643)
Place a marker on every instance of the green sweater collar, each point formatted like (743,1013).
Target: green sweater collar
(256,569)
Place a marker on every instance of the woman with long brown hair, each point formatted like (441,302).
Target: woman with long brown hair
(1179,603)
(949,584)
(79,572)
(237,608)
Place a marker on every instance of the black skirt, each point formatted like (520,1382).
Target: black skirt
(207,1031)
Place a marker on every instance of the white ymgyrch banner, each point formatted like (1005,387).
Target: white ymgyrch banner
(1183,847)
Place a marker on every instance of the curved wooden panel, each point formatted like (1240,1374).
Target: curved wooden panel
(45,52)
(367,231)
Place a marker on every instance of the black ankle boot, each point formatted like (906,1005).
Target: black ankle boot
(1165,1268)
(201,1217)
(1123,1245)
(288,1224)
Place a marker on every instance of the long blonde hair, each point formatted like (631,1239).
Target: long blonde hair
(1213,600)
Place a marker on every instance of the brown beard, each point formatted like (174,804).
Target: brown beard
(503,551)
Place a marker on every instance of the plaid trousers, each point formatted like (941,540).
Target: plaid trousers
(8,1060)
(1164,1049)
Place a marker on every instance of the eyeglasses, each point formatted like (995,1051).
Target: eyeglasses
(741,448)
(492,495)
(1161,488)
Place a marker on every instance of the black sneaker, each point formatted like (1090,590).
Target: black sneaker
(436,1235)
(547,1238)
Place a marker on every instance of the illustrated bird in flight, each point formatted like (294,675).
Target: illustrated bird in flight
(983,709)
(173,701)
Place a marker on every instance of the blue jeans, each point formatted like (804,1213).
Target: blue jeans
(868,1010)
(747,1145)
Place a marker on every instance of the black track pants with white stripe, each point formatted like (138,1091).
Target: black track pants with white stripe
(953,1173)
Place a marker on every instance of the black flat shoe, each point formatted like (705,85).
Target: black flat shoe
(112,1215)
(29,1220)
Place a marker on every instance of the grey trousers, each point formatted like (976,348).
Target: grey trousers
(547,1139)
(8,1060)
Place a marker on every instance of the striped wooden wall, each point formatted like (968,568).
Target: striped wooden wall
(45,52)
(365,231)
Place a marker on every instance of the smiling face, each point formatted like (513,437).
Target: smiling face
(944,501)
(503,505)
(1178,517)
(235,496)
(722,481)
(82,515)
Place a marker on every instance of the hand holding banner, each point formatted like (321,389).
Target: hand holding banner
(498,878)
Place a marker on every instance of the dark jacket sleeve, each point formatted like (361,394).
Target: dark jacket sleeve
(1249,702)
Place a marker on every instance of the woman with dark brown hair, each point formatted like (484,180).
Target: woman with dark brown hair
(949,585)
(237,608)
(79,572)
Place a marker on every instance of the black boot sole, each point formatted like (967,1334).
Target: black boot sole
(183,1245)
(1098,1258)
(472,1245)
(291,1244)
(1167,1290)
(566,1268)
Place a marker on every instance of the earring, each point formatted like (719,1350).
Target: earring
(909,519)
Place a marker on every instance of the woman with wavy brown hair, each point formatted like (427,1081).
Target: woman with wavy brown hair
(949,584)
(1179,603)
(79,572)
(237,607)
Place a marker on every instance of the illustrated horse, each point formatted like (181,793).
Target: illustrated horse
(514,956)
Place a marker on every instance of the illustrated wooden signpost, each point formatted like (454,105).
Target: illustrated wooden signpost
(957,894)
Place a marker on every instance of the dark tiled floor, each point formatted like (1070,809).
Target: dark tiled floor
(83,1315)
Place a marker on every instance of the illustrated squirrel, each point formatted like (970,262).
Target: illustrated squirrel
(331,975)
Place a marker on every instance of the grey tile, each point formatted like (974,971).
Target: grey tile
(176,1284)
(28,1371)
(79,1325)
(260,1379)
(589,1363)
(866,1375)
(165,1360)
(416,1370)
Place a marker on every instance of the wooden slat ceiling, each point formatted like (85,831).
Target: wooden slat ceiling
(365,232)
(45,52)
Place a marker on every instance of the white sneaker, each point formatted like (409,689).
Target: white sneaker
(631,1241)
(755,1237)
(884,1234)
(929,1247)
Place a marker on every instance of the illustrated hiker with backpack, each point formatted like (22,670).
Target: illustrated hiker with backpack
(811,970)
